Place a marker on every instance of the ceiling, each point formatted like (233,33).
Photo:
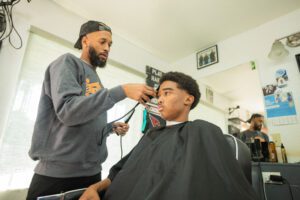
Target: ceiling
(173,29)
(242,87)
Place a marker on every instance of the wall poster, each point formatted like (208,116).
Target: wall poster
(279,101)
(151,116)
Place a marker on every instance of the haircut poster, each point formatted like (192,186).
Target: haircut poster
(279,100)
(151,116)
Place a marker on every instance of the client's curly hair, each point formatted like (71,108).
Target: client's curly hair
(184,82)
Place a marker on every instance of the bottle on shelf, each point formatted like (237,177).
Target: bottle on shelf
(283,154)
(272,152)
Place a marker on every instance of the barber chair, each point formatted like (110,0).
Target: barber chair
(70,195)
(242,154)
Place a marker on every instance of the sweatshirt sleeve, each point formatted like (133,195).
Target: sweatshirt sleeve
(71,107)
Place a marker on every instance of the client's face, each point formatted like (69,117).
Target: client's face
(172,102)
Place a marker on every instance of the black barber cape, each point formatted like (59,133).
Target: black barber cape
(186,161)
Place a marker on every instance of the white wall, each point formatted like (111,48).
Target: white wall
(255,44)
(55,20)
(215,112)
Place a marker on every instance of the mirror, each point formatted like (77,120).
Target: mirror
(241,85)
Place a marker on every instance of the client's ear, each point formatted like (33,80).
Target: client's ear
(189,100)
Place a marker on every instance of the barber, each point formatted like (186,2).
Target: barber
(69,138)
(254,132)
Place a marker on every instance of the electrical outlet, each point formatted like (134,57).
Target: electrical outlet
(266,175)
(276,139)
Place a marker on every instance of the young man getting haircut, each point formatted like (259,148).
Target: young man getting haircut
(183,160)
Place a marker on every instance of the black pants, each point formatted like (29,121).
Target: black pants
(45,185)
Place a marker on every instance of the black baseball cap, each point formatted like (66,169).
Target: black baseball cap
(89,27)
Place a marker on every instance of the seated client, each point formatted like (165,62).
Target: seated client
(184,160)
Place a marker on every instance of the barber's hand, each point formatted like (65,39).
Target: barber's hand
(90,194)
(120,128)
(139,92)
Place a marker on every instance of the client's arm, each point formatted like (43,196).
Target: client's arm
(91,193)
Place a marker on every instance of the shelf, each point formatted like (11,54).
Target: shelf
(236,120)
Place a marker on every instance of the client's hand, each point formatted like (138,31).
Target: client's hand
(120,128)
(90,194)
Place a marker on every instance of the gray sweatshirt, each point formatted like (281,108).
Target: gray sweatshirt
(70,131)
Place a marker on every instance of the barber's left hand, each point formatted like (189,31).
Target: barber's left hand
(120,128)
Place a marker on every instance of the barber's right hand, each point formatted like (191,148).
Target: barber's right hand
(139,92)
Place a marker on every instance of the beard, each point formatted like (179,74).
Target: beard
(257,127)
(94,58)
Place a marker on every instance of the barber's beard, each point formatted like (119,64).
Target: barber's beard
(257,127)
(95,59)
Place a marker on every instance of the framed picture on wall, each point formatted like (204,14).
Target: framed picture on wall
(207,57)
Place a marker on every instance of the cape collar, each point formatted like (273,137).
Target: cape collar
(171,123)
